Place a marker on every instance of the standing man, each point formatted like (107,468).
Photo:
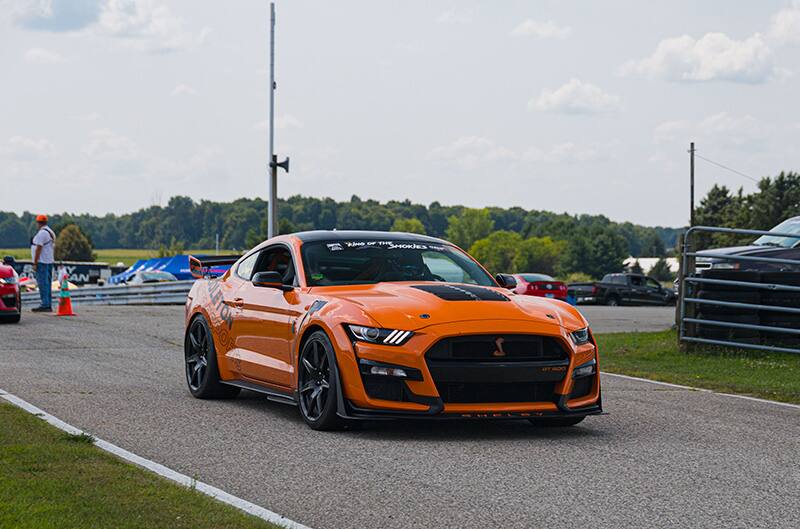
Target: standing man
(43,253)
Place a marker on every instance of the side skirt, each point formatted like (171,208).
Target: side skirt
(272,394)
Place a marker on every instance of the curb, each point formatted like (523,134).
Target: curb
(705,390)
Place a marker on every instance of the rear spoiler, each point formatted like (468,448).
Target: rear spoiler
(211,266)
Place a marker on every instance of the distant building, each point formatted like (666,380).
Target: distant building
(647,263)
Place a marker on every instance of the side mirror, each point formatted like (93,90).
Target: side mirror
(506,281)
(269,280)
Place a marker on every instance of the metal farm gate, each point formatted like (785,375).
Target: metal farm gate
(745,308)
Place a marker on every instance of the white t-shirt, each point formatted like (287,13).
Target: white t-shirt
(46,239)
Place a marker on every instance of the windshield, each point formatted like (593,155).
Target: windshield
(791,226)
(533,278)
(358,262)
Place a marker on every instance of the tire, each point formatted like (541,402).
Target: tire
(556,422)
(613,301)
(318,383)
(200,361)
(10,319)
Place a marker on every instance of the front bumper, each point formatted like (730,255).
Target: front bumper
(554,392)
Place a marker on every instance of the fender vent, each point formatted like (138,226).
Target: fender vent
(462,293)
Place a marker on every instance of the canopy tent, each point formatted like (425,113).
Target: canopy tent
(177,265)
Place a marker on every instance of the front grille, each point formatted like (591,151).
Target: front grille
(497,368)
(498,347)
(9,301)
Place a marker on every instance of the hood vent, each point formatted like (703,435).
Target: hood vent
(462,293)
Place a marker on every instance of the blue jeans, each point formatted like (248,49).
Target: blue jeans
(44,276)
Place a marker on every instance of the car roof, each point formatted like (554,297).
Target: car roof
(363,235)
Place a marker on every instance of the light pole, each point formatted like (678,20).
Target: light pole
(272,206)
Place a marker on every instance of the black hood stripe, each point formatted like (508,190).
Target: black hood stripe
(462,292)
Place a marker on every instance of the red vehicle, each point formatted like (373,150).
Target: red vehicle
(10,299)
(540,285)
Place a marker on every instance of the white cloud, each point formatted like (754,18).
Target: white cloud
(183,90)
(28,149)
(785,27)
(282,122)
(42,56)
(714,57)
(104,143)
(113,153)
(147,25)
(575,97)
(469,152)
(91,116)
(563,153)
(670,131)
(541,30)
(456,16)
(717,129)
(55,15)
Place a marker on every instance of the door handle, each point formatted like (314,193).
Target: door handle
(237,303)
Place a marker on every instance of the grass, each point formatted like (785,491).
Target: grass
(656,355)
(114,255)
(51,479)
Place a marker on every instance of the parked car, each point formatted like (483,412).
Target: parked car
(622,289)
(770,246)
(150,276)
(10,298)
(540,285)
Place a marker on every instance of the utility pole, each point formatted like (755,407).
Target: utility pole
(691,184)
(272,206)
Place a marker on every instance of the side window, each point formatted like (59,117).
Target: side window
(277,259)
(652,283)
(637,281)
(245,268)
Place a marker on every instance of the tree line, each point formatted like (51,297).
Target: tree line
(505,239)
(777,199)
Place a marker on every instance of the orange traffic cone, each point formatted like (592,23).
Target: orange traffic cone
(64,301)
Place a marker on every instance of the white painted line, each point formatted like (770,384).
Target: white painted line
(161,470)
(743,397)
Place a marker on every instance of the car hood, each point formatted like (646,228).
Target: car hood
(6,271)
(740,250)
(405,305)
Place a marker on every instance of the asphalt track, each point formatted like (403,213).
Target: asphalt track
(663,457)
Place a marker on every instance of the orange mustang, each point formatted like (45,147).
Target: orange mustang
(369,325)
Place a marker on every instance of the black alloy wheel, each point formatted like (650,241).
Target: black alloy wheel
(202,374)
(317,383)
(197,355)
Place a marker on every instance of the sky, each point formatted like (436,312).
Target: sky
(575,106)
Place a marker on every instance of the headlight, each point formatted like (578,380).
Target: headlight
(8,280)
(381,336)
(725,265)
(580,337)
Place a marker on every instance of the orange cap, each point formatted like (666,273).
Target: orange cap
(41,218)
